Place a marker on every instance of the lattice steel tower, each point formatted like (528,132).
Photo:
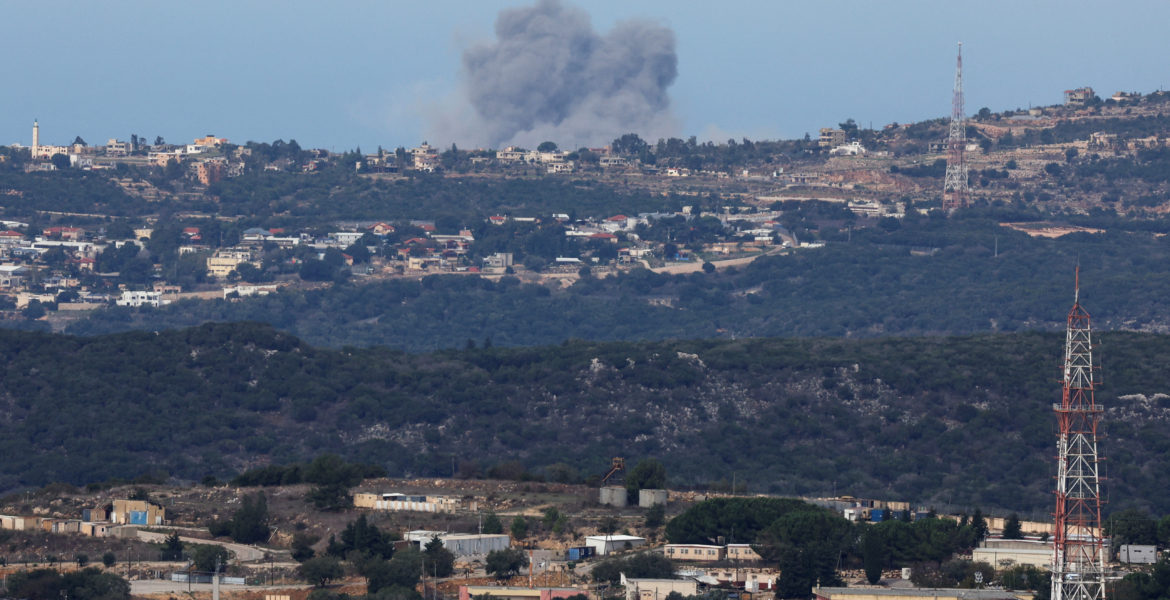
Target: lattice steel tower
(956,194)
(1078,564)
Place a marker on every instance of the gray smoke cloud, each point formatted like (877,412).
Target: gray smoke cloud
(550,76)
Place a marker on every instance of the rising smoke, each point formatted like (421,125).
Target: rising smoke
(550,76)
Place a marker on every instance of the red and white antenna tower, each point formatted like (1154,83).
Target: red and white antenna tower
(956,194)
(1078,562)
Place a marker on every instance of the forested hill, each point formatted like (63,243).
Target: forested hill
(928,420)
(982,278)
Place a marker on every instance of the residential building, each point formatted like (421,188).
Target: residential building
(346,238)
(497,220)
(226,261)
(613,161)
(138,512)
(9,238)
(210,141)
(562,167)
(695,552)
(1079,96)
(498,260)
(831,138)
(137,299)
(606,544)
(209,171)
(512,154)
(381,228)
(118,148)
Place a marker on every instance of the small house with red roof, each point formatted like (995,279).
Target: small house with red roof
(9,238)
(619,223)
(381,228)
(65,233)
(497,220)
(604,236)
(190,231)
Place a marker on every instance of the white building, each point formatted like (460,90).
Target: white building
(137,299)
(606,544)
(850,149)
(249,290)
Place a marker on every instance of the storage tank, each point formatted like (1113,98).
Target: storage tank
(648,498)
(613,496)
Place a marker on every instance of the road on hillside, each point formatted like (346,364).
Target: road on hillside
(243,553)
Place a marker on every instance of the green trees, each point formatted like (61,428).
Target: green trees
(505,563)
(643,565)
(439,560)
(321,570)
(656,516)
(48,584)
(1133,526)
(395,578)
(647,474)
(333,477)
(60,161)
(1011,528)
(207,556)
(362,536)
(249,524)
(492,524)
(519,528)
(172,545)
(546,147)
(979,524)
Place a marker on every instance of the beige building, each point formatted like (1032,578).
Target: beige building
(831,138)
(657,589)
(226,261)
(138,512)
(695,552)
(1079,96)
(742,552)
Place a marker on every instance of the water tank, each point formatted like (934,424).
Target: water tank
(613,496)
(648,498)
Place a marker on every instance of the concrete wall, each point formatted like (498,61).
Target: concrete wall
(613,496)
(648,498)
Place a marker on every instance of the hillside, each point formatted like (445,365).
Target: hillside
(981,278)
(965,420)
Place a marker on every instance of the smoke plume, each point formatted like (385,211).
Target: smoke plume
(550,76)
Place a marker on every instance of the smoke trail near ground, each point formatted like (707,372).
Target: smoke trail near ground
(550,76)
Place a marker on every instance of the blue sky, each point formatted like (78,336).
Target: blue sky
(342,74)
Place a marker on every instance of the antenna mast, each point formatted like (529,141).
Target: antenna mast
(1078,562)
(956,194)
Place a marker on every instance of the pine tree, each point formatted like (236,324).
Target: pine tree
(978,524)
(1011,528)
(492,525)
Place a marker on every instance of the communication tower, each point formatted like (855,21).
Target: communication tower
(1078,562)
(956,194)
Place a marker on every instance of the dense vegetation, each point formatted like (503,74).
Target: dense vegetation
(981,277)
(810,544)
(964,420)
